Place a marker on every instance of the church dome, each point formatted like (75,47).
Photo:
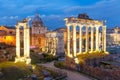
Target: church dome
(37,20)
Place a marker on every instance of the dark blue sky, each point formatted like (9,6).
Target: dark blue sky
(53,12)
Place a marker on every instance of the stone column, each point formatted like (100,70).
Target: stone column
(68,40)
(86,39)
(27,44)
(49,44)
(25,41)
(74,40)
(52,43)
(80,38)
(104,38)
(55,46)
(92,38)
(97,37)
(17,41)
(46,44)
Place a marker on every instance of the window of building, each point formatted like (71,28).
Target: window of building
(10,32)
(39,40)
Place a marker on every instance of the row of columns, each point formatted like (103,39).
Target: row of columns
(74,25)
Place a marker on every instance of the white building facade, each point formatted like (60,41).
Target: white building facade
(55,43)
(113,36)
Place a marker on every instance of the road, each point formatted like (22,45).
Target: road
(72,75)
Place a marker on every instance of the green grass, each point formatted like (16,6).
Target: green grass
(14,71)
(59,64)
(91,55)
(42,58)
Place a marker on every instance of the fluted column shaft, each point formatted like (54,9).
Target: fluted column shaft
(97,38)
(68,40)
(86,39)
(80,38)
(104,38)
(17,42)
(27,43)
(74,40)
(92,38)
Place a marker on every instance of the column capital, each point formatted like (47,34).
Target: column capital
(104,26)
(92,25)
(74,24)
(97,26)
(87,25)
(80,25)
(17,26)
(68,24)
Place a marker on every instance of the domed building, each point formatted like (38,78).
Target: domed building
(37,21)
(38,31)
(37,25)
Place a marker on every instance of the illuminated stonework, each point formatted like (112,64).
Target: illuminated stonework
(92,44)
(55,43)
(51,42)
(26,57)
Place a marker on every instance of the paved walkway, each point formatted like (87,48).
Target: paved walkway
(72,75)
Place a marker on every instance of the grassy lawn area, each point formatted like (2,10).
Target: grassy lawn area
(41,58)
(14,71)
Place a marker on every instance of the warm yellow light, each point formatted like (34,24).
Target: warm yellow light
(33,67)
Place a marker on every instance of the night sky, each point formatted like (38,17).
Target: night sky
(53,12)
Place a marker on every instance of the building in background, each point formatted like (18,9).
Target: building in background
(113,36)
(55,42)
(7,35)
(38,31)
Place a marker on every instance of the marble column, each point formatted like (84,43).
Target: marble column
(104,38)
(86,39)
(80,38)
(28,42)
(46,48)
(68,40)
(97,37)
(74,40)
(92,38)
(46,40)
(47,43)
(17,41)
(25,41)
(52,43)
